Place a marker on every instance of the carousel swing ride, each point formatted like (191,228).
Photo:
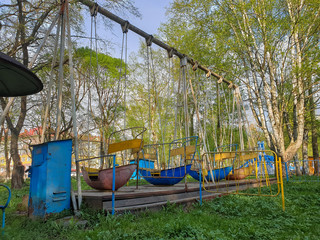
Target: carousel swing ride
(172,160)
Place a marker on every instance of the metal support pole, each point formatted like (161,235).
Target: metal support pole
(43,41)
(62,48)
(74,114)
(200,182)
(287,173)
(185,169)
(44,125)
(3,218)
(113,183)
(137,174)
(281,182)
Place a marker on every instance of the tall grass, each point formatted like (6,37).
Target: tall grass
(228,217)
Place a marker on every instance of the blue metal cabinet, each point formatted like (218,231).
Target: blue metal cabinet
(50,178)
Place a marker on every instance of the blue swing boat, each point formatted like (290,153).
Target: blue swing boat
(217,174)
(220,171)
(180,150)
(168,177)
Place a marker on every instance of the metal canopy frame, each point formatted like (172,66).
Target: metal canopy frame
(16,79)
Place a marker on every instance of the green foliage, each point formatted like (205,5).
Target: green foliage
(248,41)
(162,95)
(227,217)
(112,65)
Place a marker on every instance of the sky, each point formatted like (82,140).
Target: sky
(152,15)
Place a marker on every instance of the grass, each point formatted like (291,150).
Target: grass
(228,217)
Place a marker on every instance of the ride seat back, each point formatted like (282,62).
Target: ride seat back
(248,156)
(187,150)
(134,144)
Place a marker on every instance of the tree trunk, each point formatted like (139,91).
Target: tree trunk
(17,179)
(314,134)
(297,165)
(305,152)
(295,136)
(192,114)
(102,148)
(18,168)
(6,154)
(315,151)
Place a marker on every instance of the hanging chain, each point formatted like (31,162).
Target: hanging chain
(53,63)
(61,75)
(232,120)
(92,11)
(169,93)
(148,43)
(118,88)
(125,82)
(157,99)
(248,129)
(176,109)
(74,114)
(183,65)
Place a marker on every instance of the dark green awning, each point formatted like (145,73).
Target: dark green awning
(16,79)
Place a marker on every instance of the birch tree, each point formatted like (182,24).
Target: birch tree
(269,44)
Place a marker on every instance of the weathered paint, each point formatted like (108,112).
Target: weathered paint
(103,179)
(50,174)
